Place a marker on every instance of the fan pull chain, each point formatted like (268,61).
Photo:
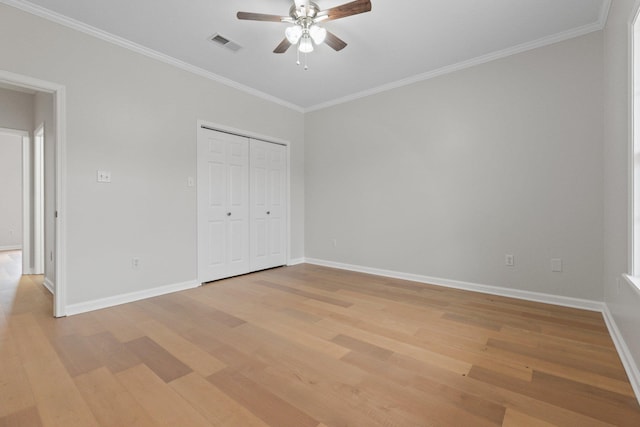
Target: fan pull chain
(298,60)
(306,67)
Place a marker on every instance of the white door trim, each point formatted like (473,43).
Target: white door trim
(26,196)
(60,197)
(38,199)
(266,138)
(26,204)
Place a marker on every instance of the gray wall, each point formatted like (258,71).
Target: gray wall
(10,191)
(623,300)
(16,110)
(43,114)
(444,177)
(136,117)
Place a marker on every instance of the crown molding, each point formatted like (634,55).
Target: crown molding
(127,44)
(604,13)
(545,41)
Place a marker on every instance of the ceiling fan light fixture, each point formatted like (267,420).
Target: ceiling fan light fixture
(305,45)
(303,31)
(318,34)
(293,34)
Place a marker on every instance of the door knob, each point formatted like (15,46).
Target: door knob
(228,213)
(268,212)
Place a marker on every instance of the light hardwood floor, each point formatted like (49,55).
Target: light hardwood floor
(306,346)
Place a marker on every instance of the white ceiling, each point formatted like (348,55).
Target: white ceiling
(399,41)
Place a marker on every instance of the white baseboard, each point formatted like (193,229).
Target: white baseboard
(468,286)
(49,285)
(630,366)
(296,261)
(98,304)
(628,362)
(11,248)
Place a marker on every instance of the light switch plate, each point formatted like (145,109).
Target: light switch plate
(104,176)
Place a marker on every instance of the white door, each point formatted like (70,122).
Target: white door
(268,205)
(223,205)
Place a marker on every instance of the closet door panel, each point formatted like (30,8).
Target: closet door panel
(223,205)
(268,166)
(258,189)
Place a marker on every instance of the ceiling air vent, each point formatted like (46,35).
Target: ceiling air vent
(225,42)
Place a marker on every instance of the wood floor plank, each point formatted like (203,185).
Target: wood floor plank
(15,391)
(190,354)
(121,327)
(159,360)
(363,347)
(28,417)
(275,349)
(305,294)
(426,376)
(159,400)
(76,354)
(422,406)
(112,353)
(58,400)
(264,404)
(620,386)
(110,402)
(54,328)
(341,403)
(311,336)
(313,342)
(479,410)
(583,399)
(217,407)
(513,418)
(458,348)
(300,315)
(588,364)
(440,360)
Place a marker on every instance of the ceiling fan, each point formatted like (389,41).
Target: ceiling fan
(304,15)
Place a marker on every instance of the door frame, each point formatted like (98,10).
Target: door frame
(60,197)
(247,134)
(37,175)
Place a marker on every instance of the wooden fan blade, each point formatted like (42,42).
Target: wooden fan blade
(282,47)
(260,17)
(334,41)
(347,9)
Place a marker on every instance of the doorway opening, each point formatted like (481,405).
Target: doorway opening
(44,186)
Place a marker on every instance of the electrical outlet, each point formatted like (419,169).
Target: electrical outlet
(191,182)
(509,261)
(556,265)
(135,263)
(335,243)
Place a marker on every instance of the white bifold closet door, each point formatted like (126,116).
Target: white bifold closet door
(267,197)
(241,205)
(223,205)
